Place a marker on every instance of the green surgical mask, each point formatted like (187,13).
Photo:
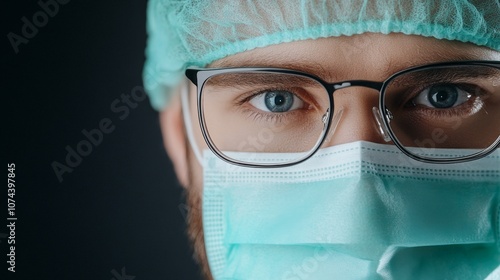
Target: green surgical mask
(354,211)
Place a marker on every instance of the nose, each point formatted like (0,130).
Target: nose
(354,119)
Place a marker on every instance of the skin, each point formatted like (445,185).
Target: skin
(367,56)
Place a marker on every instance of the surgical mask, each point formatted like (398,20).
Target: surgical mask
(354,211)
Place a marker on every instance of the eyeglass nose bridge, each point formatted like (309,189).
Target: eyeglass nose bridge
(378,116)
(332,87)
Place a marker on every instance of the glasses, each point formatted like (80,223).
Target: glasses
(426,111)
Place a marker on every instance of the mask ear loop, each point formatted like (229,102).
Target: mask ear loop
(187,121)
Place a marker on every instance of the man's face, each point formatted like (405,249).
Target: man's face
(362,57)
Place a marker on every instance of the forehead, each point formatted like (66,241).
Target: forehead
(369,55)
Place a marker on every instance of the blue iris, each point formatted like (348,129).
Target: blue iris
(442,96)
(278,101)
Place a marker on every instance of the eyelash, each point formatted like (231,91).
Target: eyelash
(259,116)
(475,90)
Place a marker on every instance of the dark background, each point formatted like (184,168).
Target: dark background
(121,206)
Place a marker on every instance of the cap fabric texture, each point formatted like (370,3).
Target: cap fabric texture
(186,33)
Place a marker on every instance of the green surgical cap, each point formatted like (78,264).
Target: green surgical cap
(186,33)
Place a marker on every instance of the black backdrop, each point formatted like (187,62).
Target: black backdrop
(119,213)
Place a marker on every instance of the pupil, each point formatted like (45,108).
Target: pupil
(279,101)
(443,96)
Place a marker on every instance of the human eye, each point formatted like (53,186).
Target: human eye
(443,92)
(276,101)
(442,96)
(264,112)
(274,98)
(449,107)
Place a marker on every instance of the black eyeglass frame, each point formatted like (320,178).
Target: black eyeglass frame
(199,76)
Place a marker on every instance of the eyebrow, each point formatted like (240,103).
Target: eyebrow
(258,78)
(441,75)
(331,75)
(271,62)
(393,67)
(438,75)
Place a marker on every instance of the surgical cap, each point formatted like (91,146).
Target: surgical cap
(186,33)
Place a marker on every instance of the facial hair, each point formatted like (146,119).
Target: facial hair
(195,229)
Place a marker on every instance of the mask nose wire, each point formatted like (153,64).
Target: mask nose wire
(188,125)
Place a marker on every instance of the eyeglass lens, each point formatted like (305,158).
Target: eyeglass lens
(429,110)
(445,108)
